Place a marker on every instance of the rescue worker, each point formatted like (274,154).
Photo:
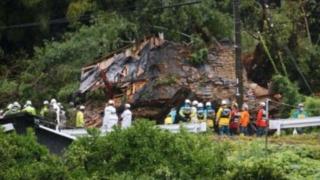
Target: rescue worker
(126,117)
(71,115)
(244,120)
(223,118)
(168,119)
(201,115)
(28,108)
(110,118)
(173,114)
(185,111)
(209,113)
(16,107)
(234,121)
(8,110)
(63,117)
(45,109)
(1,113)
(80,117)
(54,113)
(194,114)
(261,122)
(299,113)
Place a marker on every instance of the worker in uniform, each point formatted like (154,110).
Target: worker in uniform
(80,117)
(71,115)
(28,108)
(201,115)
(110,118)
(244,120)
(126,117)
(54,113)
(209,113)
(173,114)
(234,121)
(261,123)
(16,107)
(185,111)
(44,110)
(194,114)
(223,118)
(299,113)
(8,110)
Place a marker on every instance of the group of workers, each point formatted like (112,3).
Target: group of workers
(52,112)
(228,120)
(111,119)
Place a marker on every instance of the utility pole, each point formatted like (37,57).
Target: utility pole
(237,46)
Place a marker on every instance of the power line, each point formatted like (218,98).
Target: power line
(86,17)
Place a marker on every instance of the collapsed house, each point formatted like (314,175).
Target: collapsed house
(155,75)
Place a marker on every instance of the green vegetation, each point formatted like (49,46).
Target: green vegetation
(146,152)
(46,58)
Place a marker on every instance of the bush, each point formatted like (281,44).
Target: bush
(23,158)
(289,91)
(312,105)
(145,150)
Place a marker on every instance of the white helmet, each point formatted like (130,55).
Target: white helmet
(111,102)
(16,104)
(200,105)
(187,101)
(45,102)
(29,103)
(262,104)
(195,103)
(245,106)
(53,101)
(128,106)
(208,103)
(224,102)
(81,107)
(301,105)
(9,106)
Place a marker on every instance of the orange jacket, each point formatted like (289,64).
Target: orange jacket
(261,122)
(244,119)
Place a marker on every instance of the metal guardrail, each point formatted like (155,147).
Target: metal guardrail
(7,127)
(293,123)
(191,127)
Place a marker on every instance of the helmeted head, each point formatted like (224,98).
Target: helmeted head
(208,104)
(82,108)
(28,103)
(235,105)
(194,103)
(9,106)
(200,105)
(71,104)
(187,101)
(301,106)
(225,102)
(262,104)
(127,106)
(16,104)
(45,102)
(53,101)
(111,103)
(245,107)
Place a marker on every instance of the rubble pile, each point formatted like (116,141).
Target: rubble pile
(155,75)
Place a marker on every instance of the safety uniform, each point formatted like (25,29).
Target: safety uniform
(30,110)
(71,117)
(261,122)
(194,115)
(126,117)
(223,118)
(201,115)
(244,122)
(110,118)
(210,113)
(185,112)
(80,119)
(44,111)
